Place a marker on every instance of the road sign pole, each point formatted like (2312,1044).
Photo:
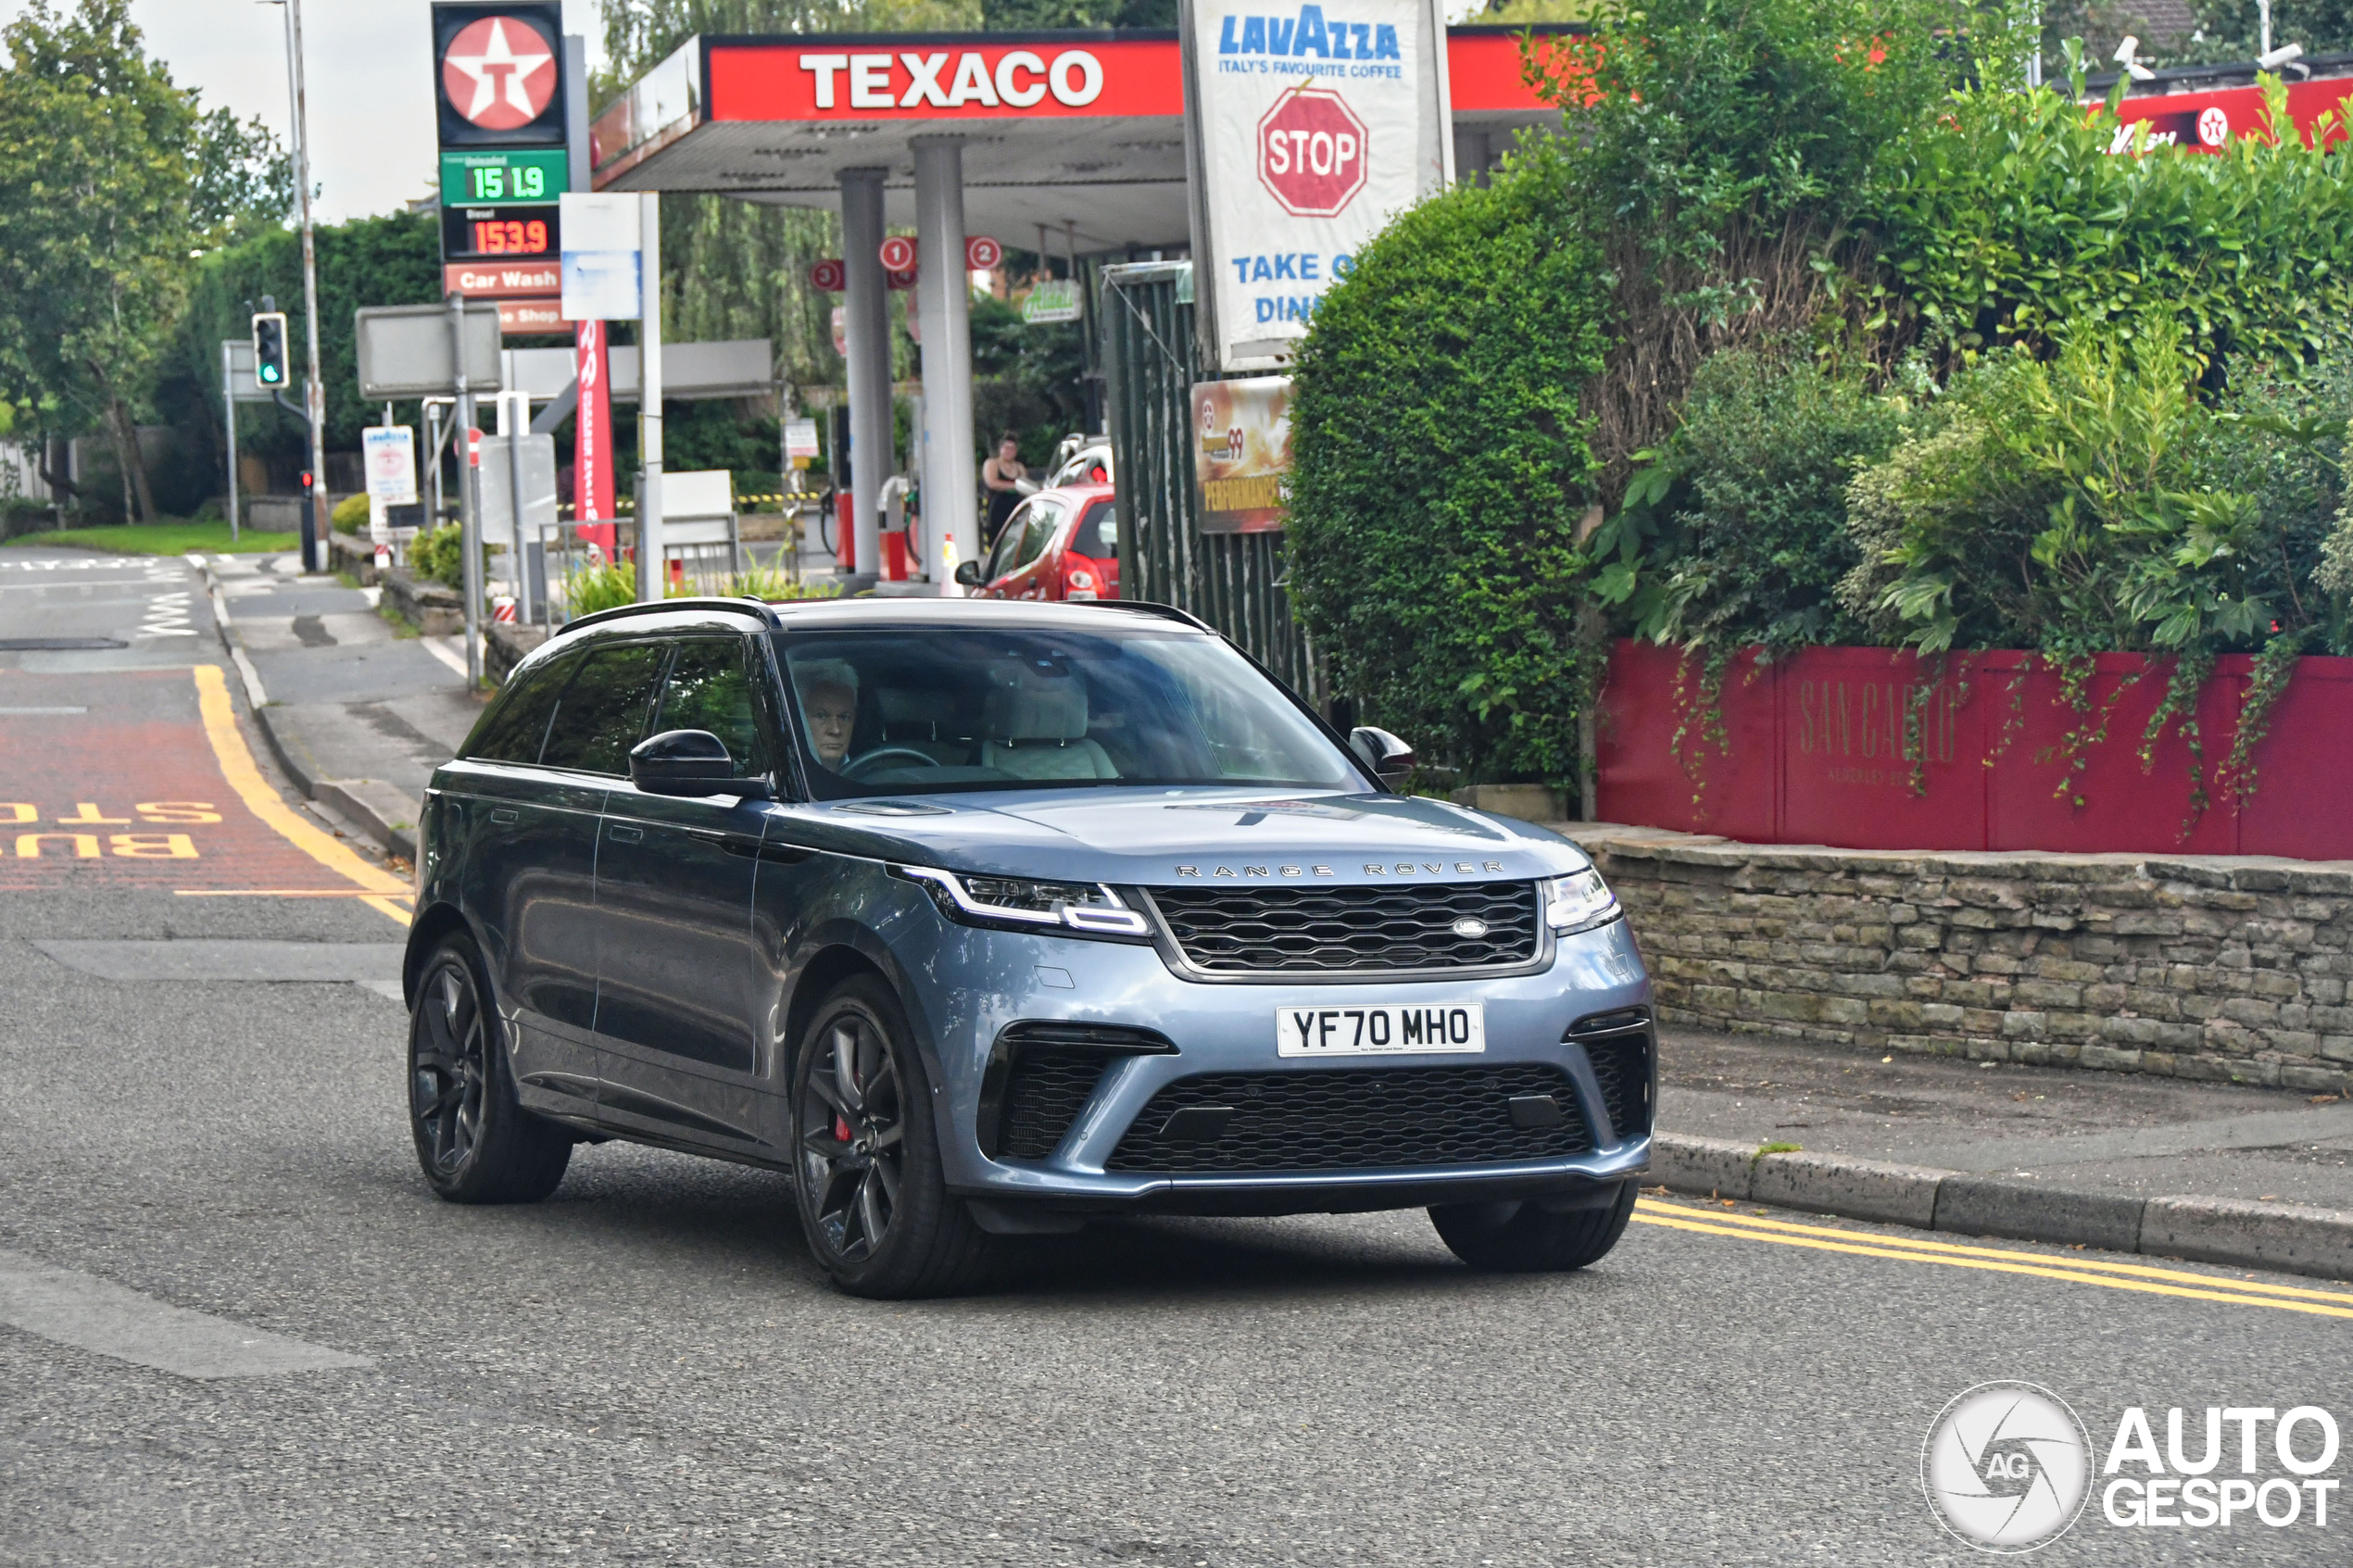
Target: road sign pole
(315,395)
(229,405)
(517,424)
(469,514)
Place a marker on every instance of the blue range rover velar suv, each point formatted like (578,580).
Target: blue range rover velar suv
(981,918)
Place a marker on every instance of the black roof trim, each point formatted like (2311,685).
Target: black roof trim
(757,610)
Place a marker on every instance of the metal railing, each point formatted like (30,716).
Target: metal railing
(1233,580)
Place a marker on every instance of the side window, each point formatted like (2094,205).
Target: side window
(1099,534)
(1001,559)
(604,711)
(709,689)
(517,722)
(1043,521)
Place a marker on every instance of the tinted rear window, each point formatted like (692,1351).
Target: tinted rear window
(1097,534)
(515,725)
(604,711)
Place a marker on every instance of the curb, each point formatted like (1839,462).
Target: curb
(231,641)
(2282,1237)
(371,807)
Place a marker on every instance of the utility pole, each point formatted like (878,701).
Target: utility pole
(314,395)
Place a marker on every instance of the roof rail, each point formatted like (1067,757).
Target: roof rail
(757,609)
(1166,612)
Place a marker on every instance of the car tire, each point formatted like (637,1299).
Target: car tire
(475,1143)
(867,1180)
(1527,1238)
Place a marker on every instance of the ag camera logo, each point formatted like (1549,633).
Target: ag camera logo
(2006,1467)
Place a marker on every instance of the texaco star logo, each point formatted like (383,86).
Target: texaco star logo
(499,73)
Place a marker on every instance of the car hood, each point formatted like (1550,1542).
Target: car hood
(1165,836)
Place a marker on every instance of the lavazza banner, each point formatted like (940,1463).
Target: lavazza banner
(1306,131)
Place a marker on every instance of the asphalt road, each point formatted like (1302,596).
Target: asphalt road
(647,1368)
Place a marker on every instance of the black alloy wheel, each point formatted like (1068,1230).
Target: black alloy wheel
(873,1199)
(852,1138)
(475,1141)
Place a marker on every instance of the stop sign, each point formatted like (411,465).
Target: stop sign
(1311,153)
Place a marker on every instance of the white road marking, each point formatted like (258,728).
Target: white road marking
(450,650)
(37,712)
(90,1313)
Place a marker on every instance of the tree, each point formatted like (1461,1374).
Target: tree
(110,178)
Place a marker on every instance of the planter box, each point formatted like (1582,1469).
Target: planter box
(432,609)
(1878,749)
(505,644)
(1528,802)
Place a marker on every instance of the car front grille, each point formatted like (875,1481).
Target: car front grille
(1248,930)
(1045,1090)
(1354,1119)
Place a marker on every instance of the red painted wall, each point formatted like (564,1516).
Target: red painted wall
(1822,749)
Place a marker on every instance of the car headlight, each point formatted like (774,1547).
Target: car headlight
(1086,908)
(1579,902)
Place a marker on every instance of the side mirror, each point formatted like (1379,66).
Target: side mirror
(693,764)
(1381,753)
(968,573)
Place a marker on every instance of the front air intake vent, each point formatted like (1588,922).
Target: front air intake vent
(1040,1076)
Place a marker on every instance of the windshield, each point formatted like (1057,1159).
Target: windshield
(929,709)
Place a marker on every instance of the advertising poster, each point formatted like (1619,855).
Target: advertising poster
(1241,453)
(1307,130)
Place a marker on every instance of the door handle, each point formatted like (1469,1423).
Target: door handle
(503,815)
(620,835)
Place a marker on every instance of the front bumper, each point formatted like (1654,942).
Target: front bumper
(1229,1028)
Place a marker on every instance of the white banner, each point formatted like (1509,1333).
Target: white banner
(603,273)
(1311,129)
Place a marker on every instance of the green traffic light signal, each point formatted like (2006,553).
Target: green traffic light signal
(270,348)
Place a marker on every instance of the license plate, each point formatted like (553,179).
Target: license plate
(1380,1031)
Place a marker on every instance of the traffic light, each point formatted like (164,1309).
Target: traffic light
(270,348)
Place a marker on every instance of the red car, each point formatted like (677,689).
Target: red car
(1058,545)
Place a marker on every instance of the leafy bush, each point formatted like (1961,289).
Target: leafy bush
(2006,219)
(1722,153)
(773,585)
(2095,503)
(1441,466)
(1736,534)
(439,555)
(350,514)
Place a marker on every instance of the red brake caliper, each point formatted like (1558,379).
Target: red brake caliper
(841,1127)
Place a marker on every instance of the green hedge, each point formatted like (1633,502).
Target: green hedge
(1442,466)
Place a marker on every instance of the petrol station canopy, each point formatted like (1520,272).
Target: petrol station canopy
(1079,129)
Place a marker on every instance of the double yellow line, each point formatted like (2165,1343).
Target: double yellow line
(1705,1219)
(374,887)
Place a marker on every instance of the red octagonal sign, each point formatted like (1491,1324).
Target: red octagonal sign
(1311,153)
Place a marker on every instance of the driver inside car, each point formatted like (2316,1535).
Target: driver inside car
(829,706)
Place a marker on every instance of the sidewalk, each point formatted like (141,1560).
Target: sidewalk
(2226,1173)
(358,711)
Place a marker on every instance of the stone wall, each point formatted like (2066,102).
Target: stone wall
(2215,968)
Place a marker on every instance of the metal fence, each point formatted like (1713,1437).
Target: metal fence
(1233,580)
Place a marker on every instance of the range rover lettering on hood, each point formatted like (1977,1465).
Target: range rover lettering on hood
(1402,868)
